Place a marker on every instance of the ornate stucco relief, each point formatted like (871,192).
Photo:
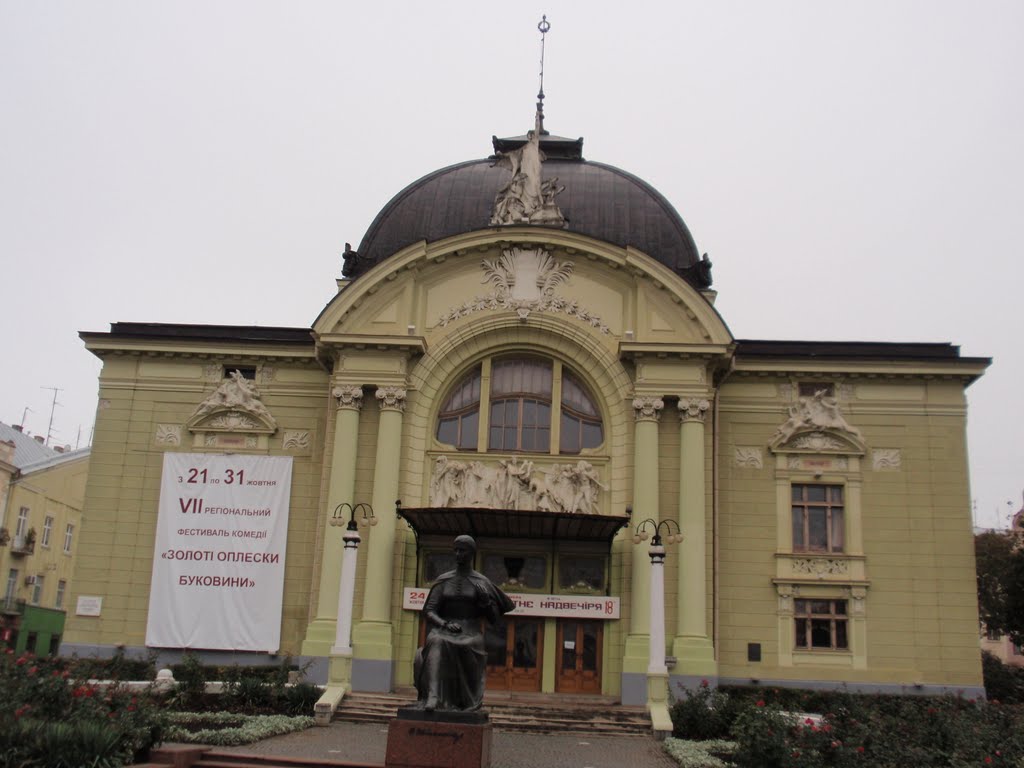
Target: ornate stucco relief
(820,567)
(515,484)
(525,280)
(168,434)
(234,407)
(886,459)
(815,424)
(296,440)
(749,457)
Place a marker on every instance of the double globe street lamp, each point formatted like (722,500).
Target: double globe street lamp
(349,556)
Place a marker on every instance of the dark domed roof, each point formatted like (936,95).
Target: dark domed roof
(599,200)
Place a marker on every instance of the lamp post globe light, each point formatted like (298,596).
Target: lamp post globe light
(349,556)
(661,533)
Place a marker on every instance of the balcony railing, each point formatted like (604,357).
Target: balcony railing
(11,605)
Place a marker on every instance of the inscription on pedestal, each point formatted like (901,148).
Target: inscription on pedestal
(437,744)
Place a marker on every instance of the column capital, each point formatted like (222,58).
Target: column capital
(348,396)
(648,408)
(391,398)
(693,409)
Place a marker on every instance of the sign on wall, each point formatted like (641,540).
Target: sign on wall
(218,563)
(528,604)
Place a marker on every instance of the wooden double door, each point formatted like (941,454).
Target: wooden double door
(579,656)
(515,654)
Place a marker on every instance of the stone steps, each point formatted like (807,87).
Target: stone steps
(530,713)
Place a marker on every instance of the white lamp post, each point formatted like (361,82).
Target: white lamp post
(657,672)
(349,556)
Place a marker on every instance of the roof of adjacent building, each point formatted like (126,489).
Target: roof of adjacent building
(599,200)
(27,450)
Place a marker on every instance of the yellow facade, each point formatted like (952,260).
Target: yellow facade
(698,428)
(42,521)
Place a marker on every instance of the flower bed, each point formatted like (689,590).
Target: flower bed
(227,729)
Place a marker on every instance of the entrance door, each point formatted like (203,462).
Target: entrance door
(579,663)
(514,654)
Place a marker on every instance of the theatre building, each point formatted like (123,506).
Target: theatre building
(525,348)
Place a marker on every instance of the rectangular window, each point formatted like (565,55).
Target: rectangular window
(61,587)
(69,533)
(47,530)
(821,624)
(30,642)
(12,585)
(54,644)
(22,527)
(37,590)
(817,518)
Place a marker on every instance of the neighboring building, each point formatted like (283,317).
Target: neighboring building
(41,495)
(525,358)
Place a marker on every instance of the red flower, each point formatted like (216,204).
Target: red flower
(836,744)
(760,702)
(808,721)
(988,759)
(704,683)
(860,749)
(33,670)
(796,753)
(22,710)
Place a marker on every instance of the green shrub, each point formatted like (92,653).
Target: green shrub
(48,717)
(300,698)
(117,667)
(704,713)
(1002,682)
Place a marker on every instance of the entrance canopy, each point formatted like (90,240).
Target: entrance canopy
(512,523)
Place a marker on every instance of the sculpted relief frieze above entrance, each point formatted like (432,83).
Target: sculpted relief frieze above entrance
(516,484)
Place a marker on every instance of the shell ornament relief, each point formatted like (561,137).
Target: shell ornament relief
(524,281)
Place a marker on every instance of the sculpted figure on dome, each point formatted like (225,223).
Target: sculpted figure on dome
(526,198)
(450,668)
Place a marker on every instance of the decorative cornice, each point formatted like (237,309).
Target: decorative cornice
(391,398)
(348,397)
(648,408)
(693,409)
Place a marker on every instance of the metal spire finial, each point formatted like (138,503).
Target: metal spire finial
(543,26)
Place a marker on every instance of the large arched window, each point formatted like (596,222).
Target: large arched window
(526,401)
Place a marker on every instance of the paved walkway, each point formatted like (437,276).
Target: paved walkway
(368,742)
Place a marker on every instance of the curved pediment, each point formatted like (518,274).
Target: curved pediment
(816,425)
(822,441)
(430,289)
(234,407)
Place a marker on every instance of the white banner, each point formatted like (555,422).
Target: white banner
(561,606)
(218,563)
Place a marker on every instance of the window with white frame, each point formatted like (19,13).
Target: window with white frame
(821,625)
(47,531)
(817,518)
(61,588)
(22,527)
(12,585)
(69,534)
(37,589)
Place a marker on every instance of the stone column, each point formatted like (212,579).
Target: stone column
(645,504)
(372,638)
(692,647)
(321,631)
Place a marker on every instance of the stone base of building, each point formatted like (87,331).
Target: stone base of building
(418,739)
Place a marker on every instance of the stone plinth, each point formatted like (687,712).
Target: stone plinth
(418,739)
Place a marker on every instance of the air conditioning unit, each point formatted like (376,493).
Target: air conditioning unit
(30,581)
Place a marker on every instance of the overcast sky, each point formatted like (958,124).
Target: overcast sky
(855,170)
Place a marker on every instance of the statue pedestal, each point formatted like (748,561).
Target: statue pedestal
(418,739)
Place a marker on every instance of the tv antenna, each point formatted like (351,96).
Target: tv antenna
(53,407)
